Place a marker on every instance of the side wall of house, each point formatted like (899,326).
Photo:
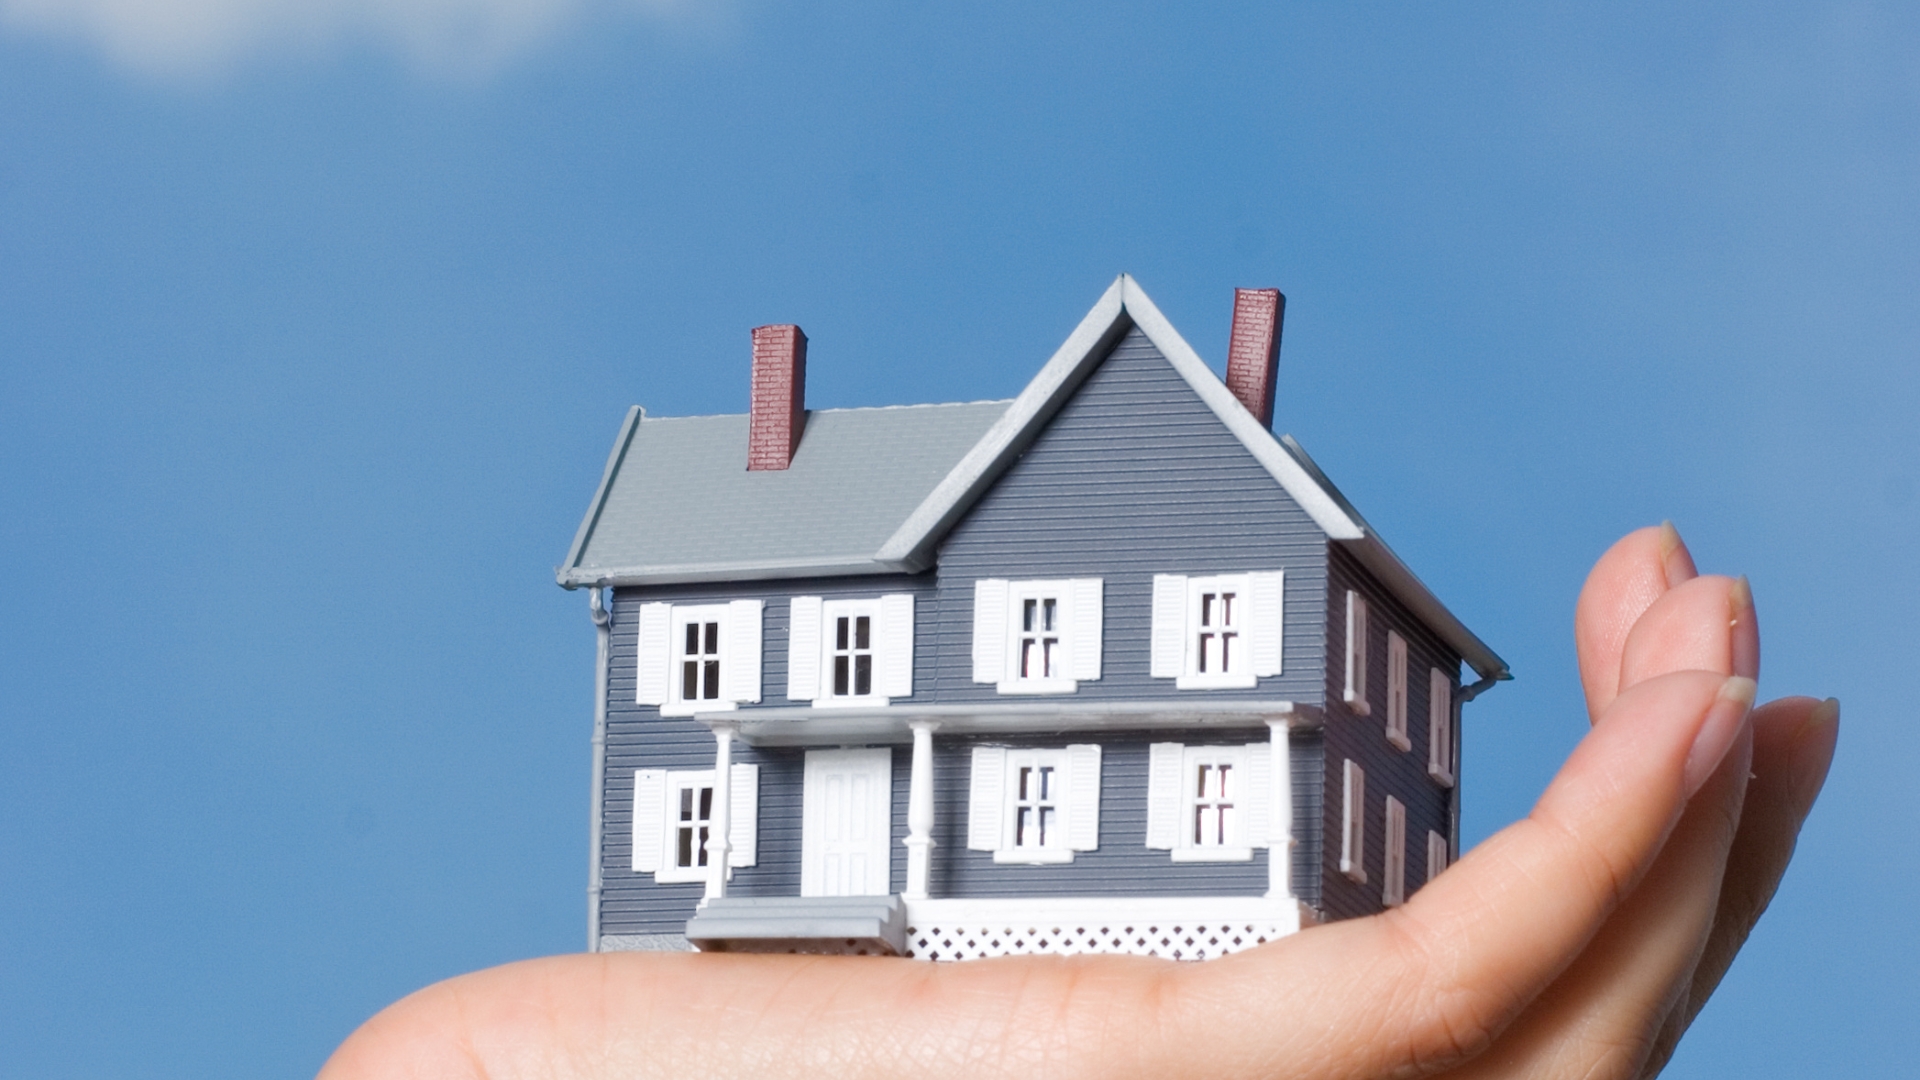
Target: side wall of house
(638,737)
(1362,739)
(1136,476)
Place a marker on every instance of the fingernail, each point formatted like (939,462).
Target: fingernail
(1675,559)
(1813,753)
(1745,626)
(1724,718)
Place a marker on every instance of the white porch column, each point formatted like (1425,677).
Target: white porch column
(919,841)
(1280,803)
(721,819)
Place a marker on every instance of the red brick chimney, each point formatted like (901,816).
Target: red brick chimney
(778,409)
(1253,353)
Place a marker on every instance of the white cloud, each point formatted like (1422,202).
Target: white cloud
(188,37)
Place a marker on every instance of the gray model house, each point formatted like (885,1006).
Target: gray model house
(1105,668)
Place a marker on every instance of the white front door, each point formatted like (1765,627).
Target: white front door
(847,823)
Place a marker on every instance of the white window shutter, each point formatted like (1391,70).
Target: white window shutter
(1169,634)
(1257,802)
(743,817)
(896,645)
(743,654)
(1267,617)
(986,792)
(1083,796)
(803,648)
(1393,863)
(649,818)
(656,654)
(1436,854)
(1085,606)
(1440,726)
(1397,690)
(989,630)
(1356,690)
(1353,822)
(1165,762)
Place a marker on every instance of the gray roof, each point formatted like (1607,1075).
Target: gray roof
(874,490)
(678,503)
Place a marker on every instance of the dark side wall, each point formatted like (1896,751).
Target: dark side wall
(1390,771)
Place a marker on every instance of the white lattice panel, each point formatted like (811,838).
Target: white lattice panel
(1165,939)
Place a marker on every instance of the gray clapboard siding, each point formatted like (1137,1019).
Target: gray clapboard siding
(1363,739)
(1134,476)
(638,737)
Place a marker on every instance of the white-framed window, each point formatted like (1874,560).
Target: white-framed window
(1440,727)
(673,818)
(1034,804)
(1436,854)
(698,657)
(1037,637)
(1218,632)
(1356,688)
(843,653)
(1397,691)
(1353,821)
(1393,869)
(1209,803)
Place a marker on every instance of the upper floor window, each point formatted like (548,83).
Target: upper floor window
(1353,821)
(850,652)
(1037,637)
(1355,693)
(1034,804)
(1440,727)
(698,657)
(1219,632)
(1393,860)
(1397,691)
(1209,803)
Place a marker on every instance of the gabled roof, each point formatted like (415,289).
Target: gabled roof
(875,490)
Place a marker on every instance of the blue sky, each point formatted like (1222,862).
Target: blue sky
(317,319)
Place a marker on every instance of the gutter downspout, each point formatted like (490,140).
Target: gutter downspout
(1466,694)
(602,631)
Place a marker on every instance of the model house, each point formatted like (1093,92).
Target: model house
(1105,668)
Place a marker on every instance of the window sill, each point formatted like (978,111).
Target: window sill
(1212,854)
(851,702)
(1356,874)
(696,875)
(1399,741)
(1039,857)
(1440,776)
(1059,686)
(688,708)
(1215,682)
(1358,706)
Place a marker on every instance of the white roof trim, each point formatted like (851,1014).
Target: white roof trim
(1320,506)
(567,574)
(1124,303)
(1009,435)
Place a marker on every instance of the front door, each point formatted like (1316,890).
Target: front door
(847,823)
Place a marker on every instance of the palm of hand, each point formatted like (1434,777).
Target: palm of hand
(1578,942)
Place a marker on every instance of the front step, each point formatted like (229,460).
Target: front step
(828,925)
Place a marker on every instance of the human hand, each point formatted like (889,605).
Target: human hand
(1578,942)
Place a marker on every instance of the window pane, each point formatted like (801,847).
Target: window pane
(712,689)
(693,639)
(1226,651)
(690,680)
(1206,609)
(683,852)
(1049,609)
(1046,782)
(1026,776)
(863,632)
(713,638)
(1046,824)
(1026,659)
(706,804)
(1026,615)
(840,633)
(1226,609)
(1048,646)
(686,804)
(863,673)
(840,674)
(701,855)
